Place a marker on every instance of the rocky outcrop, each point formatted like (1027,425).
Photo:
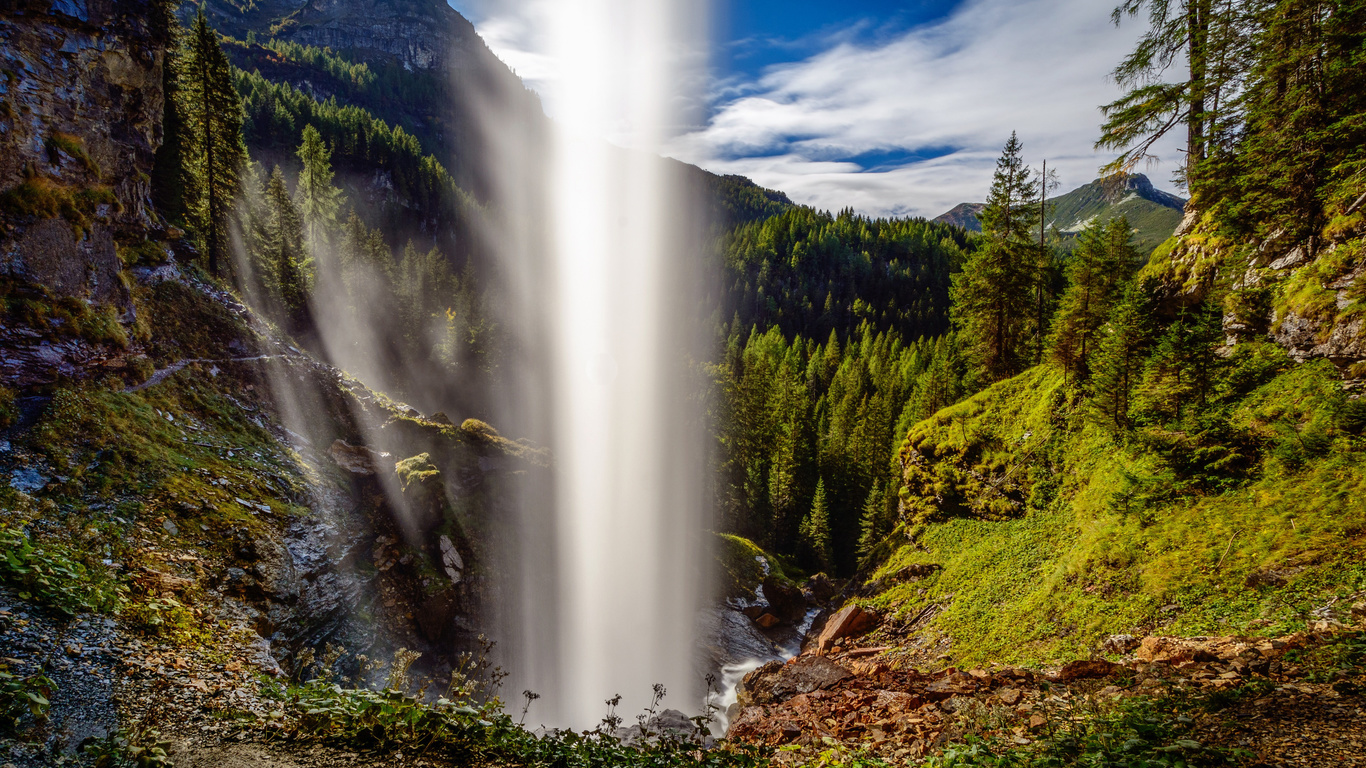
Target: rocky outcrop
(80,122)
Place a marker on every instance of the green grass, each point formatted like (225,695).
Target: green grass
(1081,556)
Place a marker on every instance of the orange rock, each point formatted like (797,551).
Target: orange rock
(851,621)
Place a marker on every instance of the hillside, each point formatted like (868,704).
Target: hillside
(1152,213)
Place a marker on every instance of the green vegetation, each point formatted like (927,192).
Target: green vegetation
(1135,732)
(51,574)
(64,143)
(1055,530)
(43,198)
(23,699)
(810,273)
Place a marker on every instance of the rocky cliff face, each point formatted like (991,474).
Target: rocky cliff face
(80,121)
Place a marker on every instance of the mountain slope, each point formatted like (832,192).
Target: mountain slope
(1154,214)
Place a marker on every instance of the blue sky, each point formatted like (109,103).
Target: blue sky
(753,34)
(892,108)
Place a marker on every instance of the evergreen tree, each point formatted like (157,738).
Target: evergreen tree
(1119,360)
(284,247)
(1210,38)
(170,176)
(318,201)
(1099,265)
(1304,108)
(815,532)
(214,150)
(1180,370)
(872,529)
(992,296)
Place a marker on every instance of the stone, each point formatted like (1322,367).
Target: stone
(785,599)
(1087,669)
(822,588)
(170,527)
(754,611)
(850,621)
(28,481)
(1359,613)
(1008,696)
(776,682)
(451,561)
(768,621)
(356,459)
(440,417)
(951,685)
(1119,644)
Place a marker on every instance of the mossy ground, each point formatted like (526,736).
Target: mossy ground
(1087,556)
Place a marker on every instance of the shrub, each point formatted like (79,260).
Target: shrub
(22,698)
(48,575)
(9,410)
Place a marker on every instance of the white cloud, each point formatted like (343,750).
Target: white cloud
(955,88)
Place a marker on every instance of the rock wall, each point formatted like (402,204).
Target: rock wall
(80,121)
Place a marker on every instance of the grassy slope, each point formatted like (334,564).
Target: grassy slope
(1054,582)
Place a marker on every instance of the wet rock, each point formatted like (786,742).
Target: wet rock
(28,481)
(440,417)
(785,599)
(356,459)
(1008,696)
(668,725)
(776,682)
(850,621)
(451,560)
(768,621)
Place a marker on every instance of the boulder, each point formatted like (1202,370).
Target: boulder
(785,599)
(850,621)
(776,682)
(1359,613)
(1087,669)
(356,459)
(451,561)
(821,587)
(768,621)
(1119,644)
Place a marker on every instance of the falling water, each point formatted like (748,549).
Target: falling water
(627,510)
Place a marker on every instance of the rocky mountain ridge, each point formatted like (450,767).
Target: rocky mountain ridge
(1153,213)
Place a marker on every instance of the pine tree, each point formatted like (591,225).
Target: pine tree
(1118,365)
(214,152)
(815,531)
(871,527)
(1304,105)
(284,247)
(1100,264)
(1210,37)
(318,201)
(992,296)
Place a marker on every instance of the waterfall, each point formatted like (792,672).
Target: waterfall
(609,605)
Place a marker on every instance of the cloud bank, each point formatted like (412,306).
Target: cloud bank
(906,125)
(913,126)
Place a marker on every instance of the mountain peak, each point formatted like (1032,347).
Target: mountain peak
(1153,213)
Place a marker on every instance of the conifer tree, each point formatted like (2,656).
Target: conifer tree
(1118,365)
(992,296)
(284,247)
(214,150)
(1304,108)
(1100,264)
(815,531)
(1210,38)
(317,200)
(871,528)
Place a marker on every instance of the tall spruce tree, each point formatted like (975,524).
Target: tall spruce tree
(1304,107)
(1098,268)
(815,531)
(992,297)
(284,247)
(1118,365)
(1210,38)
(214,151)
(318,201)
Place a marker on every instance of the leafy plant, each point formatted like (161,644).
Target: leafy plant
(23,697)
(48,575)
(139,748)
